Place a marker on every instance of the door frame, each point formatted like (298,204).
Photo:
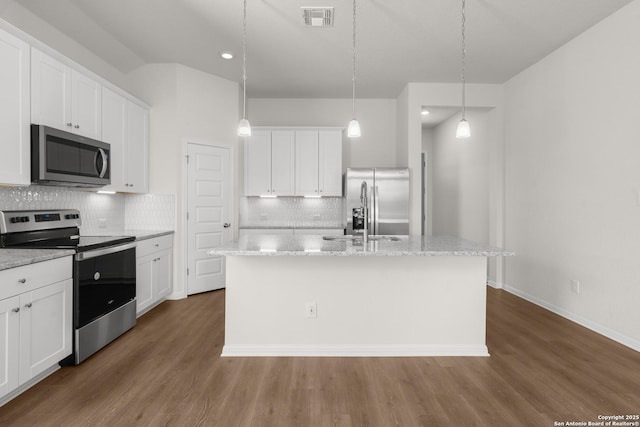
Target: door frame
(182,210)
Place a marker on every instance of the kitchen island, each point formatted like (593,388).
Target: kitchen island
(307,296)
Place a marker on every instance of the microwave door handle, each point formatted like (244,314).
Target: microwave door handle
(103,155)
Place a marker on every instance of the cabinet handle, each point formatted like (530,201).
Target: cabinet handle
(77,126)
(157,244)
(28,305)
(226,225)
(23,280)
(69,124)
(16,310)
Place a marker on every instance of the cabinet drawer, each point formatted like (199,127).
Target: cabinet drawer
(149,246)
(26,278)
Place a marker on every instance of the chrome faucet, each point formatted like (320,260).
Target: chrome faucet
(365,211)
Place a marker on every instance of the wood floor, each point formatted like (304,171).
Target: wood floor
(167,371)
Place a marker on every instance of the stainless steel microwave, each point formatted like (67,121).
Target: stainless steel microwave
(67,159)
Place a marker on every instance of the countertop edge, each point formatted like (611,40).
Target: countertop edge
(148,234)
(22,257)
(358,253)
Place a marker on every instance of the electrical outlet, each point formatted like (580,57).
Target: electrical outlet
(316,217)
(102,223)
(575,286)
(312,310)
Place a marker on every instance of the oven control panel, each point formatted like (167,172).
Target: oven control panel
(19,221)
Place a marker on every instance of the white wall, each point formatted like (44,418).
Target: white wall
(460,175)
(573,178)
(186,105)
(377,117)
(410,102)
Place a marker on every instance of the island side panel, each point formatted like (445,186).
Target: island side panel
(366,306)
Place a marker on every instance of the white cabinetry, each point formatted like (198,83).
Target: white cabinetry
(154,271)
(35,320)
(64,98)
(319,163)
(269,163)
(293,162)
(14,111)
(125,126)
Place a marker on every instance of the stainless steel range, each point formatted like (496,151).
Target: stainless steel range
(104,273)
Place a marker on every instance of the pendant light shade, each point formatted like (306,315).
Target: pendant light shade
(463,130)
(244,128)
(353,131)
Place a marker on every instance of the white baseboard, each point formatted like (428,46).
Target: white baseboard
(595,327)
(494,284)
(26,386)
(353,351)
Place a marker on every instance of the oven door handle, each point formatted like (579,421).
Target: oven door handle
(105,163)
(104,251)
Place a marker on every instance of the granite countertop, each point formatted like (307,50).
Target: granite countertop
(10,258)
(147,234)
(289,227)
(306,245)
(138,234)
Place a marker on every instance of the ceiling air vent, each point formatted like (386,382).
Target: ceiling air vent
(317,16)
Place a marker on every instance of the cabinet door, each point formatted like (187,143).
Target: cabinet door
(137,143)
(162,275)
(86,106)
(50,92)
(330,162)
(282,163)
(45,328)
(9,344)
(144,281)
(307,163)
(114,132)
(257,164)
(14,110)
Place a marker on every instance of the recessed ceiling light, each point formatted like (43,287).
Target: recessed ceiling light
(425,112)
(226,55)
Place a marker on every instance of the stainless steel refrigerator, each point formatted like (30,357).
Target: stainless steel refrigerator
(388,198)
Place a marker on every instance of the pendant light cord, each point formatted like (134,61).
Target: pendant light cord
(244,60)
(353,80)
(464,53)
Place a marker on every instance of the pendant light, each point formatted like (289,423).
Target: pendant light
(463,130)
(353,131)
(244,128)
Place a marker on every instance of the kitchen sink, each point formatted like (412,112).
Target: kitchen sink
(359,238)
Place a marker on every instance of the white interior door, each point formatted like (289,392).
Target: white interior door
(209,213)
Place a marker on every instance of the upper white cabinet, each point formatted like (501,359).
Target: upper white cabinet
(293,162)
(330,162)
(319,163)
(269,163)
(307,163)
(125,126)
(64,98)
(14,111)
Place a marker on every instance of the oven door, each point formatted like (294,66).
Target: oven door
(104,279)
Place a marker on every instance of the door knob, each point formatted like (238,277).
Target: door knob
(226,225)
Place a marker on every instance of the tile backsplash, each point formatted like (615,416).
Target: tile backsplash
(101,213)
(291,212)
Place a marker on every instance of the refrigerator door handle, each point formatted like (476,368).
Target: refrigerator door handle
(376,215)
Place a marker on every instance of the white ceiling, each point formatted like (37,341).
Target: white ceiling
(398,41)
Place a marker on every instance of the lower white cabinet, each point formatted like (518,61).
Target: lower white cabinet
(35,320)
(154,271)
